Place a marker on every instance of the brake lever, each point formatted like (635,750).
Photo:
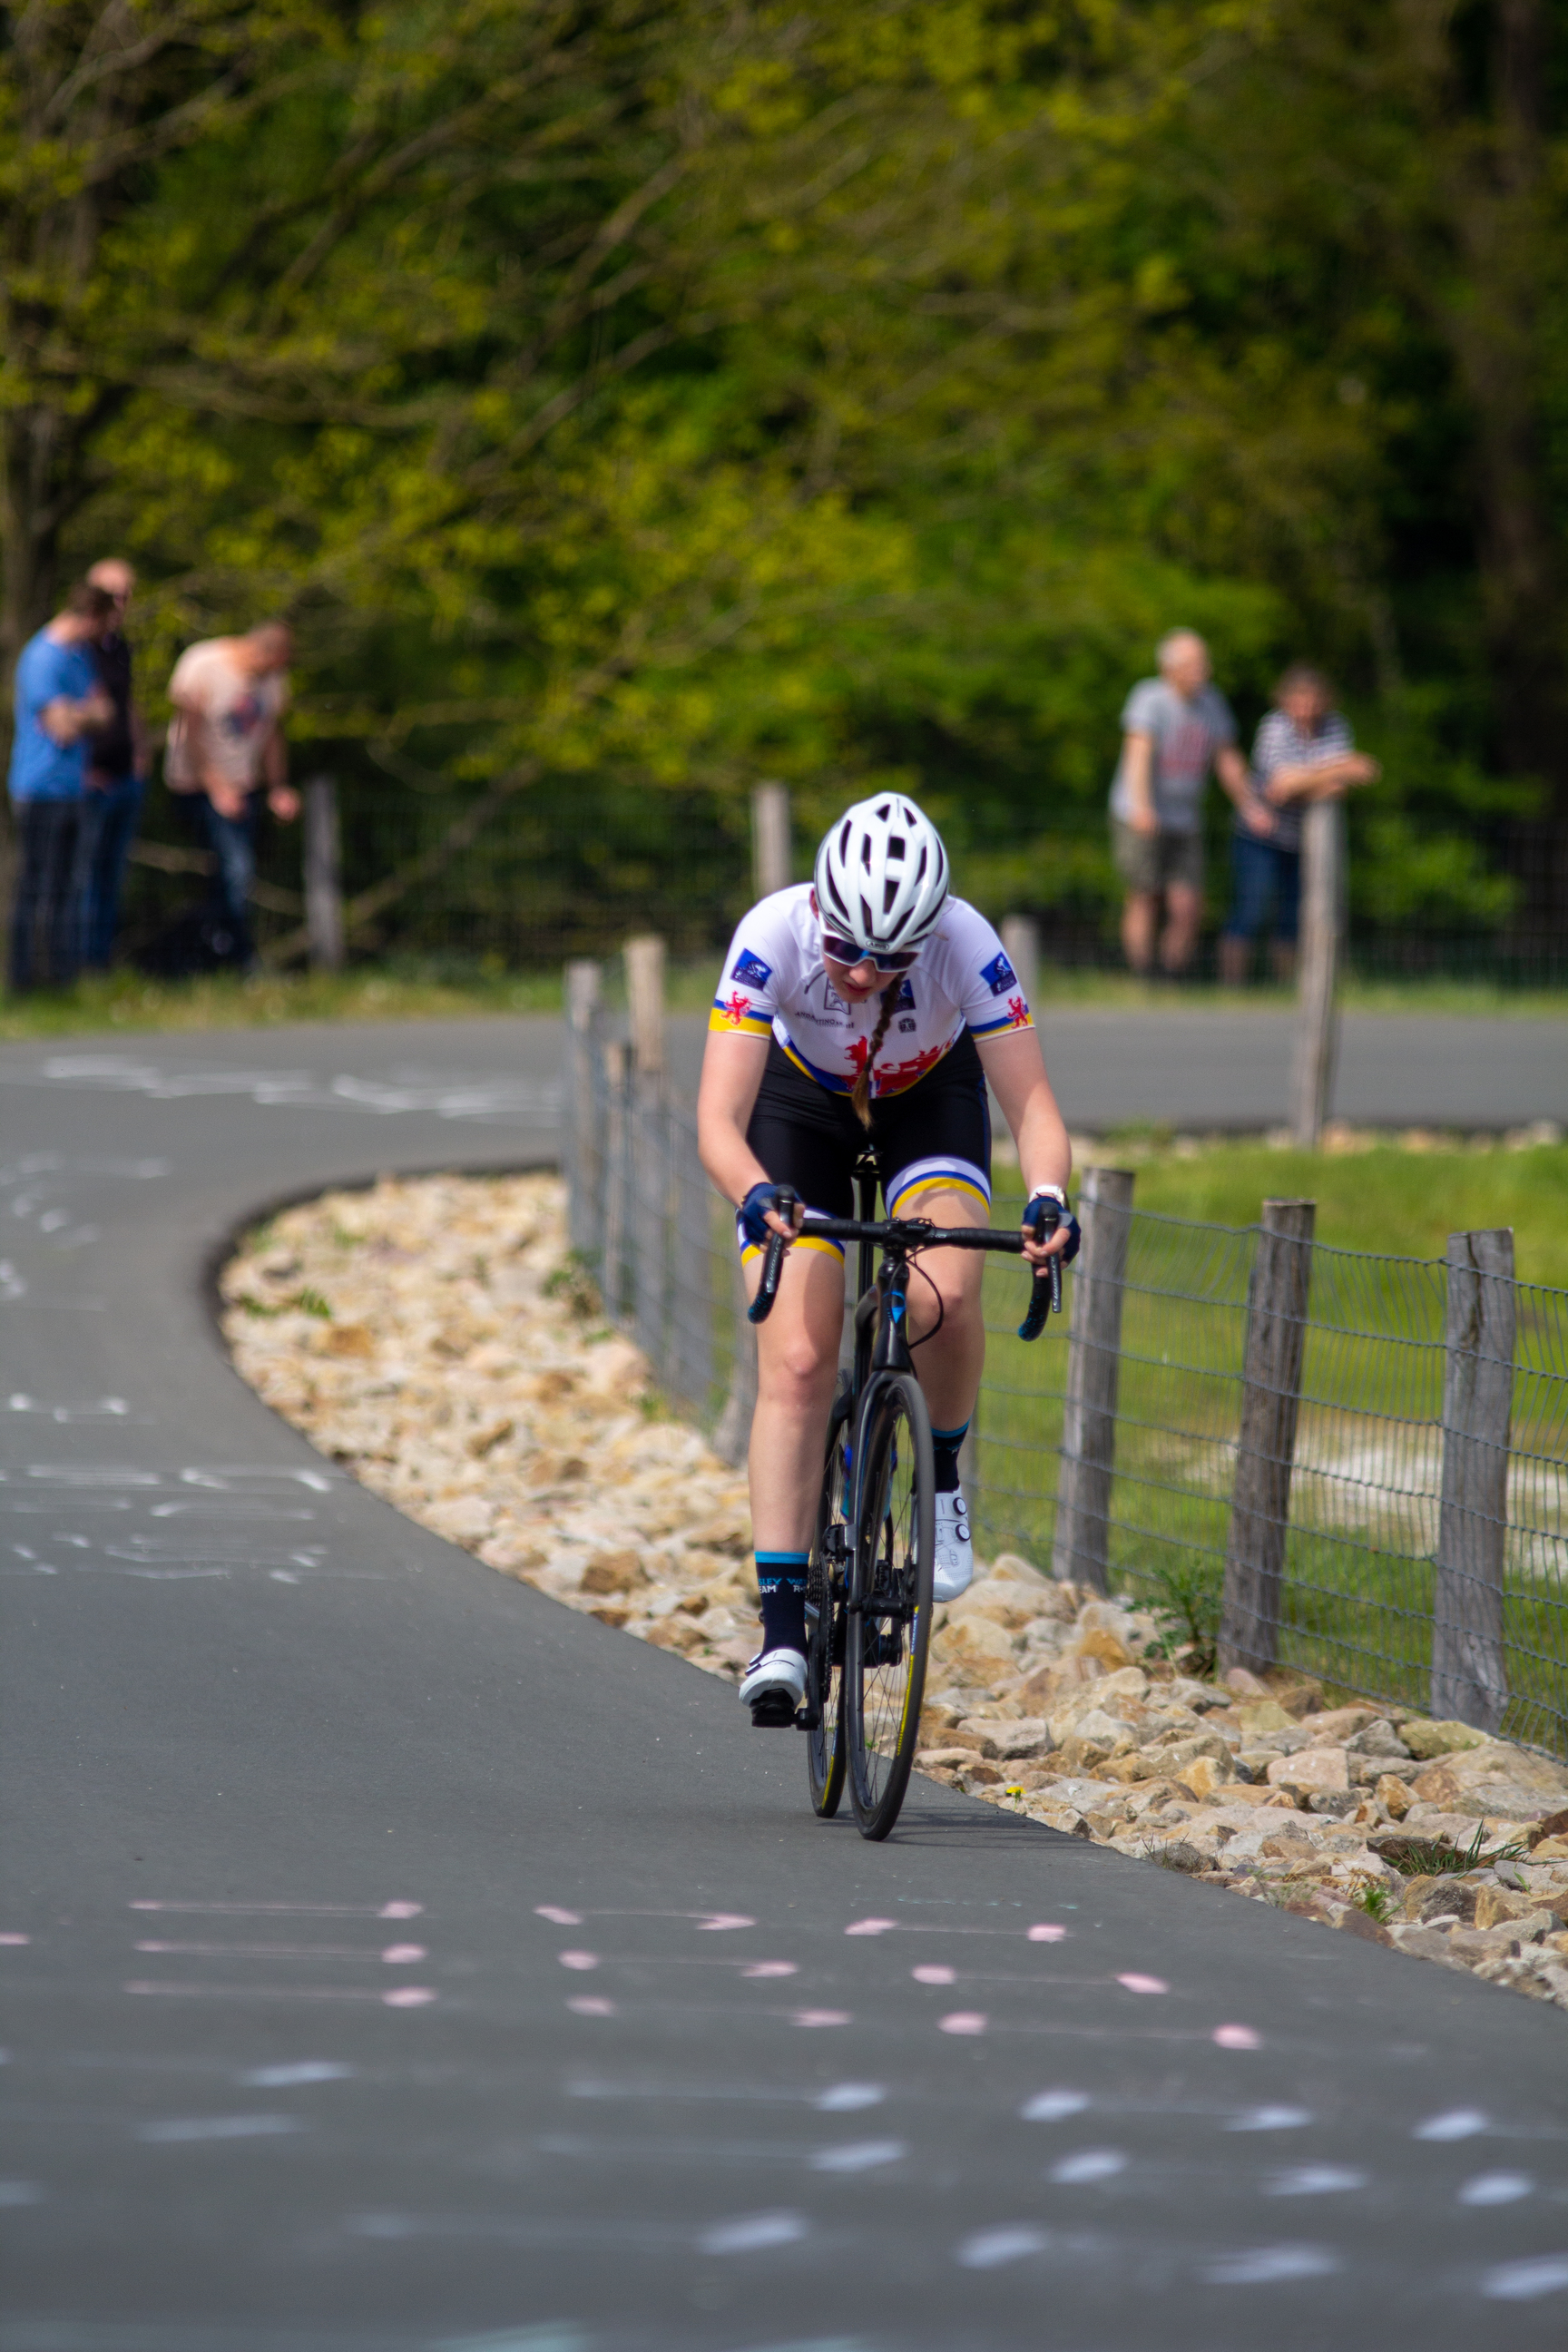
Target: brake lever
(1046,1294)
(761,1306)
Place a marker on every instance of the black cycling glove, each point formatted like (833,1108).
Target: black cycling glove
(1043,1197)
(753,1213)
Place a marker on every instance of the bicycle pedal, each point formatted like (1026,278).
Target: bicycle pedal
(773,1711)
(808,1719)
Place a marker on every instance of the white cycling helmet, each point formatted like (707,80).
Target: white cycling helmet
(881,876)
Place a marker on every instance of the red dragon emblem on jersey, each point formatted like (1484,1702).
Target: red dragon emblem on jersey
(1017,1013)
(735,1011)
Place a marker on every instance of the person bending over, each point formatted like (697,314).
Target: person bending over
(868,1007)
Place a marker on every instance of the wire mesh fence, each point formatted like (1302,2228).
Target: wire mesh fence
(1350,1465)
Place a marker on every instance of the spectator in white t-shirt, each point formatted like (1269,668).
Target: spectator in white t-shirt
(1176,727)
(226,746)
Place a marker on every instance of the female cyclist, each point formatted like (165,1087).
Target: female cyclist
(868,1005)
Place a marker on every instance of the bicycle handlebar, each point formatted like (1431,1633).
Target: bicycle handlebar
(913,1233)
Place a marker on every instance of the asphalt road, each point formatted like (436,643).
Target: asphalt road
(1231,1070)
(396,1962)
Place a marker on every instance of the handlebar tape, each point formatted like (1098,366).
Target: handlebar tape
(761,1306)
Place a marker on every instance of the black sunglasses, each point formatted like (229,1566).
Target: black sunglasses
(845,951)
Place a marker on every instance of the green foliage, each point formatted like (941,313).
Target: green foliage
(1187,1597)
(628,403)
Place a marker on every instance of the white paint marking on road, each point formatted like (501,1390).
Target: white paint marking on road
(1256,2119)
(1086,2165)
(406,1997)
(1009,2242)
(487,1097)
(399,1910)
(1453,2123)
(752,2234)
(1270,2265)
(181,2130)
(300,2070)
(859,2156)
(1524,2282)
(1316,2180)
(1497,2188)
(1053,2106)
(848,2098)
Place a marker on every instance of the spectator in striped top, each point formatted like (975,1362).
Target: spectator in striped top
(1304,752)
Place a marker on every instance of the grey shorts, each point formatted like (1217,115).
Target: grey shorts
(1152,861)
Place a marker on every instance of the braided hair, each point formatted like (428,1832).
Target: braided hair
(860,1092)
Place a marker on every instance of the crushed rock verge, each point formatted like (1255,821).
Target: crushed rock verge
(432,1337)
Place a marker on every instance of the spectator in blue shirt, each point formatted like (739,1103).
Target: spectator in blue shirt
(1304,752)
(59,702)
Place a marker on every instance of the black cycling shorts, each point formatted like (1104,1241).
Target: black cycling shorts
(935,1137)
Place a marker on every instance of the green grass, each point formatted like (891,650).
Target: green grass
(1398,1202)
(433,987)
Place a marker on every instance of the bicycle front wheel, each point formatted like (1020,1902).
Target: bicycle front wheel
(890,1601)
(825,1621)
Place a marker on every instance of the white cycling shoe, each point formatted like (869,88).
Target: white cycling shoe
(954,1551)
(773,1686)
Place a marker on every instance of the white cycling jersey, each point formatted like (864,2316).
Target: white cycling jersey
(774,982)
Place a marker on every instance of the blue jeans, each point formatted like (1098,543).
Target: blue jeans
(109,822)
(1262,872)
(44,914)
(232,840)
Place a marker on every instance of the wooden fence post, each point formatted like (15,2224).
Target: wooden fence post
(1082,1550)
(1470,1673)
(692,1302)
(1317,1019)
(323,875)
(732,1434)
(1266,1448)
(1021,939)
(618,1155)
(769,839)
(645,1002)
(583,1148)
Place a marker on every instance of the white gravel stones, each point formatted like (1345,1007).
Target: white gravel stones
(431,1337)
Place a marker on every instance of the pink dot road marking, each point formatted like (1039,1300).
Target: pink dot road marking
(578,1959)
(963,2021)
(770,1968)
(934,1972)
(398,1956)
(1135,1983)
(588,2004)
(408,1997)
(16,1939)
(720,1923)
(811,2017)
(1237,2037)
(1046,1934)
(556,1916)
(870,1927)
(400,1911)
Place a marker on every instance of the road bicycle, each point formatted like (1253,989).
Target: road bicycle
(868,1581)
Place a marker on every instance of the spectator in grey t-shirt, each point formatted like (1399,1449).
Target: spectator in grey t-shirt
(1176,727)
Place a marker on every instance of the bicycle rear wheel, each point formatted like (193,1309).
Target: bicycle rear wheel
(825,1624)
(890,1616)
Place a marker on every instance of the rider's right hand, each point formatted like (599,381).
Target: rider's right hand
(759,1215)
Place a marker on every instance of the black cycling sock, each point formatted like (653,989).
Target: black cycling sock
(945,1443)
(781,1581)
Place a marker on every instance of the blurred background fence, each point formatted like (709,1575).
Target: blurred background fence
(1351,1464)
(551,873)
